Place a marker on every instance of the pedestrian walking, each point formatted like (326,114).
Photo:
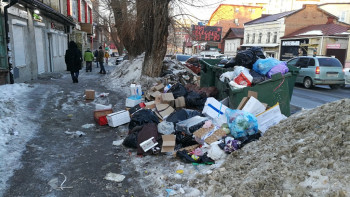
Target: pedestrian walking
(73,60)
(96,54)
(106,56)
(100,60)
(88,57)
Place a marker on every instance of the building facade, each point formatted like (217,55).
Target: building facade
(232,41)
(266,31)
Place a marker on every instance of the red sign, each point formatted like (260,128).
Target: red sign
(333,46)
(206,33)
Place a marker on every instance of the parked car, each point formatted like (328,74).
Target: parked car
(120,59)
(318,71)
(347,75)
(181,58)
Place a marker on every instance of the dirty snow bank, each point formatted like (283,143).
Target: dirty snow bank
(307,154)
(16,127)
(129,72)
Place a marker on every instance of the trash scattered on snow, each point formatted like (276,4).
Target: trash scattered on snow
(75,134)
(114,177)
(88,126)
(118,142)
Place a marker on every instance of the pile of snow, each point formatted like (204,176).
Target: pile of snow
(17,127)
(307,154)
(129,72)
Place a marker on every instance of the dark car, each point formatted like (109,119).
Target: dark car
(120,59)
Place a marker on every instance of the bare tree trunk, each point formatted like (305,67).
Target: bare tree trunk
(129,29)
(155,36)
(117,42)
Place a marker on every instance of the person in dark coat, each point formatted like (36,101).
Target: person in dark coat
(100,58)
(73,60)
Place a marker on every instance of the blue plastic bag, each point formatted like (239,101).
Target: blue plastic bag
(241,123)
(262,66)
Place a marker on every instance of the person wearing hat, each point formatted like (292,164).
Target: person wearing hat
(88,57)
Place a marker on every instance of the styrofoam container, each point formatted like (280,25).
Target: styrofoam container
(100,106)
(118,118)
(215,110)
(148,144)
(132,101)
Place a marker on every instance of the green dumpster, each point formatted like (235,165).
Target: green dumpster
(271,91)
(294,71)
(207,73)
(212,76)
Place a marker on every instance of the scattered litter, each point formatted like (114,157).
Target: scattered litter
(114,177)
(88,126)
(103,94)
(54,183)
(75,134)
(180,171)
(118,142)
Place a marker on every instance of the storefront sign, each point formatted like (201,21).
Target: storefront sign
(206,33)
(333,46)
(290,43)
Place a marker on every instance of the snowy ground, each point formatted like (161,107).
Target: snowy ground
(17,126)
(307,154)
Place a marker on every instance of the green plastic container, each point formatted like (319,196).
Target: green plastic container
(212,75)
(271,91)
(207,73)
(291,81)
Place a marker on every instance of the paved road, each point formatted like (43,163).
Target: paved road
(319,95)
(85,160)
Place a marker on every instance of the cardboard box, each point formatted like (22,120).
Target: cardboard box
(200,133)
(100,113)
(180,102)
(168,98)
(270,117)
(150,105)
(159,87)
(135,90)
(89,94)
(148,144)
(164,110)
(215,110)
(132,101)
(208,135)
(245,99)
(118,118)
(168,143)
(254,106)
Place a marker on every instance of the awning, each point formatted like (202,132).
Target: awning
(259,45)
(48,11)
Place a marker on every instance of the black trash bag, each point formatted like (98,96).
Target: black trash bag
(166,72)
(178,90)
(182,114)
(184,140)
(223,61)
(231,63)
(258,52)
(205,159)
(185,157)
(257,78)
(131,140)
(247,139)
(195,100)
(246,58)
(142,117)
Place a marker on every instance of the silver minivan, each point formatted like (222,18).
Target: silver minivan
(318,71)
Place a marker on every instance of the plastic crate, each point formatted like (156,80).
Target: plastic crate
(276,89)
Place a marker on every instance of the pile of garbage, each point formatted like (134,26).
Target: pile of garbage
(251,67)
(307,154)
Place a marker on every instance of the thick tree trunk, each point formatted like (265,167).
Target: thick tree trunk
(117,42)
(128,28)
(155,36)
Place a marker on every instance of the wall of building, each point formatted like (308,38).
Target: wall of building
(231,46)
(311,15)
(342,11)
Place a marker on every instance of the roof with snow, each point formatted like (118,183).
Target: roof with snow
(319,30)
